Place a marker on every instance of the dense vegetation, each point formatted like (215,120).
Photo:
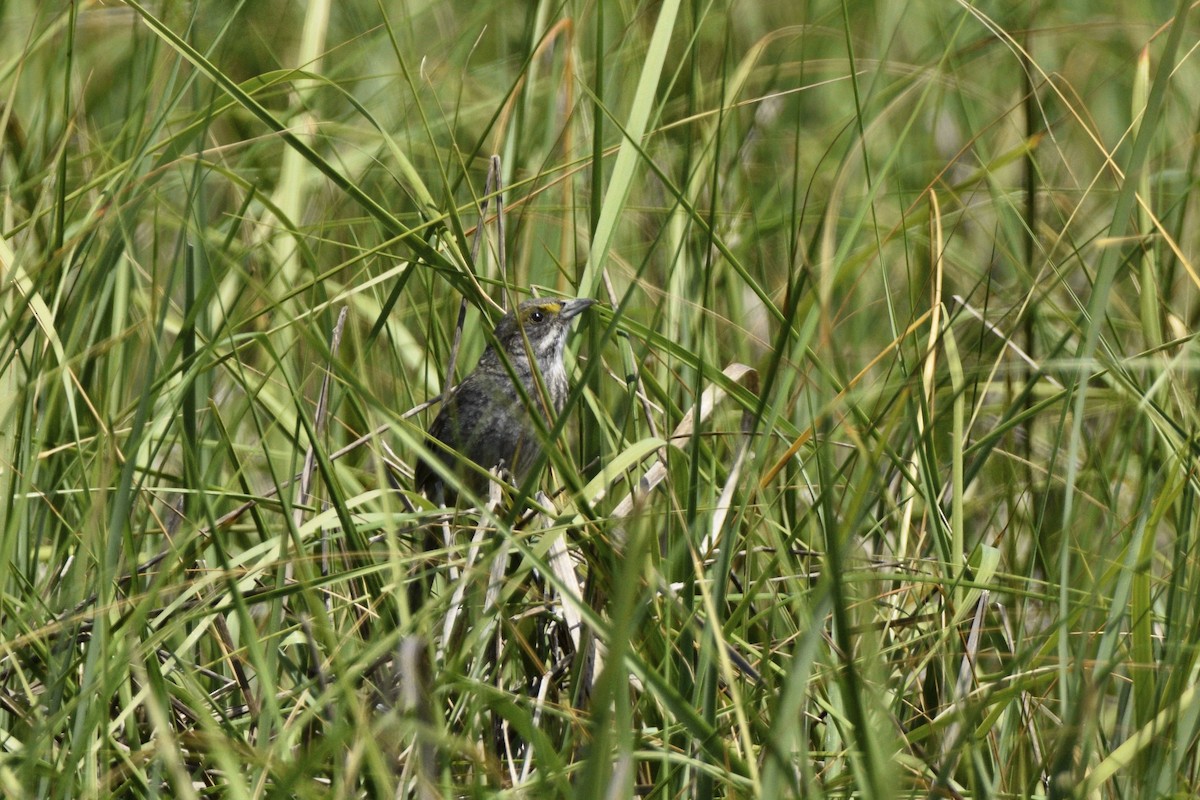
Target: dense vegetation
(879,478)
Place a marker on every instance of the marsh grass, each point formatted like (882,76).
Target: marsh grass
(878,479)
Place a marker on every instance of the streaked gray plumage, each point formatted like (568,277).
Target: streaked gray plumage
(485,419)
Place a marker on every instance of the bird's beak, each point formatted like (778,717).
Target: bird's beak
(573,308)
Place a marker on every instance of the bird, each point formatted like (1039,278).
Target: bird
(487,420)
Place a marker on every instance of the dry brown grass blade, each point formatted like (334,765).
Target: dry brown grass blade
(711,397)
(310,455)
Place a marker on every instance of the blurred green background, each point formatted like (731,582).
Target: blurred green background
(897,341)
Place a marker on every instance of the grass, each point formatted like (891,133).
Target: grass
(879,474)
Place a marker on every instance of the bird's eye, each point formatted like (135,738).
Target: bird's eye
(536,316)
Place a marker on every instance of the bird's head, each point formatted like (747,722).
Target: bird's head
(544,322)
